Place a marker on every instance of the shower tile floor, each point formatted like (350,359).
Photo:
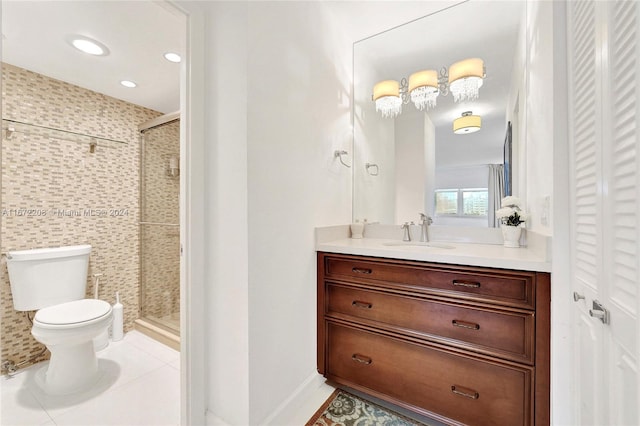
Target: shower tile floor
(141,386)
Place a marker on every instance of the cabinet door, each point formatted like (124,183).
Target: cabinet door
(456,386)
(505,334)
(507,288)
(603,93)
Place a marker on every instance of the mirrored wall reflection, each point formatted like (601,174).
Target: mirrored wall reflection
(440,153)
(159,226)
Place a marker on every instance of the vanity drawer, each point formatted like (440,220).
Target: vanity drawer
(508,335)
(499,287)
(460,388)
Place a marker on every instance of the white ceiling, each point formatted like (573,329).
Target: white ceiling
(137,33)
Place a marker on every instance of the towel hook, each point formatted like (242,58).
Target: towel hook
(339,155)
(370,166)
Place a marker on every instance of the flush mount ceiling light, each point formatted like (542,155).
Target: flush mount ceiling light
(468,123)
(386,95)
(463,79)
(88,45)
(128,83)
(172,57)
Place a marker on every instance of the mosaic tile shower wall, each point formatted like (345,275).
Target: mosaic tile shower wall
(86,197)
(160,236)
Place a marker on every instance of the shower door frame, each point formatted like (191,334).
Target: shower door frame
(142,128)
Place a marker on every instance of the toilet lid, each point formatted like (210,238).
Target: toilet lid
(74,312)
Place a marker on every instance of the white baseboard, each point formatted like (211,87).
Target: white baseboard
(286,412)
(282,414)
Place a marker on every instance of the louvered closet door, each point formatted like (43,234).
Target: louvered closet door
(604,93)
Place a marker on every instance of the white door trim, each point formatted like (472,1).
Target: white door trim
(192,215)
(562,400)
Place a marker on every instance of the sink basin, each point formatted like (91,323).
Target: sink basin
(417,244)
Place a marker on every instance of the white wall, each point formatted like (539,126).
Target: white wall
(277,107)
(298,114)
(277,86)
(537,156)
(227,240)
(430,166)
(374,142)
(411,144)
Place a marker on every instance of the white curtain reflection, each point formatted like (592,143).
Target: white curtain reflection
(496,192)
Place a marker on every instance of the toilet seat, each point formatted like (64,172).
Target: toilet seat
(74,314)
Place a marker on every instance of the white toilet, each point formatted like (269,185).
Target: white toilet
(53,281)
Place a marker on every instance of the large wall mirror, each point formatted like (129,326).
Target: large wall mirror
(414,162)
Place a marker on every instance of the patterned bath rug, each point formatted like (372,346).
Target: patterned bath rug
(345,409)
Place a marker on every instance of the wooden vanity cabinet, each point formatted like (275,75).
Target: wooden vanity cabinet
(464,345)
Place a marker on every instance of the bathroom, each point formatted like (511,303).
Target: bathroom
(262,176)
(81,167)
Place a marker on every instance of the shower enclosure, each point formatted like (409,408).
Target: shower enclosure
(159,227)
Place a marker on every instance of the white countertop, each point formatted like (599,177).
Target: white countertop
(489,255)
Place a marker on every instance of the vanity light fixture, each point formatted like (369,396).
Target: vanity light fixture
(88,45)
(423,88)
(468,123)
(386,95)
(128,83)
(463,79)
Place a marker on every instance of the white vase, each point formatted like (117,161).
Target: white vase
(511,235)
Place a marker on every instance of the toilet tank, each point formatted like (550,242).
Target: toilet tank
(48,276)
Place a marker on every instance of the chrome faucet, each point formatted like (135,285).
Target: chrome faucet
(407,234)
(424,227)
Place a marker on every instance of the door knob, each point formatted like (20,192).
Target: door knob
(599,311)
(577,296)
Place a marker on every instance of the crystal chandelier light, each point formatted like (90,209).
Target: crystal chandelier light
(463,79)
(423,87)
(386,95)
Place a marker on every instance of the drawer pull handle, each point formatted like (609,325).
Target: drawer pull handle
(363,305)
(361,270)
(467,393)
(362,359)
(464,324)
(465,283)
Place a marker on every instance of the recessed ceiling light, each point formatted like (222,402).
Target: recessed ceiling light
(172,57)
(127,83)
(87,45)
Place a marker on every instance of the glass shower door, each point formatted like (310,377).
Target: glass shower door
(159,226)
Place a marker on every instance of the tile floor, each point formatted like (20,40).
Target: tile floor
(141,387)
